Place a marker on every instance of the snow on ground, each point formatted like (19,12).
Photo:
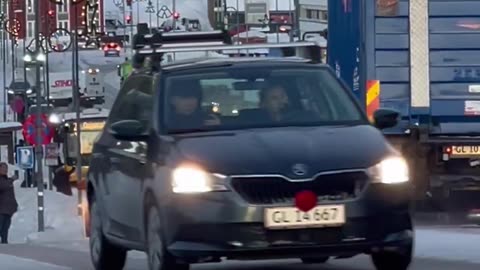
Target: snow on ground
(17,263)
(61,220)
(64,229)
(447,245)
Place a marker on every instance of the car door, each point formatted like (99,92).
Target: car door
(127,161)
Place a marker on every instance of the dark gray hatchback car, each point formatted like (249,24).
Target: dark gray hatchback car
(246,159)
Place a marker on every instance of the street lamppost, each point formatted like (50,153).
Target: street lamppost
(37,59)
(4,56)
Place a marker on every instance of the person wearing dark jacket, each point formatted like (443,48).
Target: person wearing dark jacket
(61,180)
(8,202)
(186,108)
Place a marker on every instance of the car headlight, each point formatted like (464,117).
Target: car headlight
(29,91)
(195,180)
(11,92)
(392,170)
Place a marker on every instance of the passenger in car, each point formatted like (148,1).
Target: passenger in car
(186,109)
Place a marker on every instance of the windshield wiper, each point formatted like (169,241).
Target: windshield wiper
(190,130)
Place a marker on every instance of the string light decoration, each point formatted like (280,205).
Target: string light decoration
(57,44)
(92,34)
(13,27)
(44,46)
(118,4)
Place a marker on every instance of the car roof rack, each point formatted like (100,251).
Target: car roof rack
(157,44)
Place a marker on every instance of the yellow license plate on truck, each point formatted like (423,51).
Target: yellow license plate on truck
(293,218)
(466,150)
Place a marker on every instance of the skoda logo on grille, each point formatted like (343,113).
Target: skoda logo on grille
(300,169)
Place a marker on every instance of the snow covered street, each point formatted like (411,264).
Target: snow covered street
(453,246)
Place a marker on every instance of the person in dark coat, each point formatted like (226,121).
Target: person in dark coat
(61,180)
(8,202)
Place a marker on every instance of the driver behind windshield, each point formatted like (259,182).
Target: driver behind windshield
(187,113)
(274,101)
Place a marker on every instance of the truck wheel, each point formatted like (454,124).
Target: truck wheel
(104,255)
(389,260)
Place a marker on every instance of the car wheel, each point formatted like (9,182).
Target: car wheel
(390,260)
(315,260)
(158,256)
(104,255)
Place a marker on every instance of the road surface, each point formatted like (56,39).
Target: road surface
(25,257)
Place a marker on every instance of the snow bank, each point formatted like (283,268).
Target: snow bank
(61,220)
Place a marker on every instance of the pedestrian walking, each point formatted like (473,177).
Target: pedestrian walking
(8,202)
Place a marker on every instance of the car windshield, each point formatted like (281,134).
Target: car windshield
(256,97)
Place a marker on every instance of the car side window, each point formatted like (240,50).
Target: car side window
(135,101)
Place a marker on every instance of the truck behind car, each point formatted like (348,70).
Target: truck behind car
(420,58)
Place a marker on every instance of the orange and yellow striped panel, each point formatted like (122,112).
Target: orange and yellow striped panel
(373,98)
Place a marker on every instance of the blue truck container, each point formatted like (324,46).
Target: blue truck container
(426,56)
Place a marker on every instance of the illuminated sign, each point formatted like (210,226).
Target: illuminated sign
(62,83)
(93,125)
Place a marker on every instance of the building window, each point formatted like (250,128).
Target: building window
(30,6)
(63,8)
(318,15)
(63,24)
(30,29)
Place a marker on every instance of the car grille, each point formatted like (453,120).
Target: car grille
(273,190)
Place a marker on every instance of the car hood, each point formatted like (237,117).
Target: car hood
(277,150)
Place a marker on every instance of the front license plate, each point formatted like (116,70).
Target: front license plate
(292,218)
(465,150)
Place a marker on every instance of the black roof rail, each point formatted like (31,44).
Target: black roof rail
(144,40)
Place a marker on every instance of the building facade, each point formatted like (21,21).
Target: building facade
(22,14)
(313,15)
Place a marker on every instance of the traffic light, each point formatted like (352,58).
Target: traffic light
(129,3)
(176,15)
(51,13)
(128,19)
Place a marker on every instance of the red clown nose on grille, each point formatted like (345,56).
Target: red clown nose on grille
(305,200)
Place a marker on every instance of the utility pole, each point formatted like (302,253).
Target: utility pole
(4,58)
(47,81)
(76,103)
(174,9)
(125,28)
(39,129)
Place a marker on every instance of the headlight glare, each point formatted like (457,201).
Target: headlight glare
(392,170)
(195,180)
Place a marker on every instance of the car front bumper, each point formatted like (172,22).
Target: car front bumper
(223,225)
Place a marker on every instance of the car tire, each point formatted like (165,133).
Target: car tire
(315,260)
(104,255)
(389,260)
(157,255)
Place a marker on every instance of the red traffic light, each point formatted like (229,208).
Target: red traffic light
(128,19)
(176,15)
(51,12)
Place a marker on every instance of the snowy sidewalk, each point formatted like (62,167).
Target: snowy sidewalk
(61,221)
(17,263)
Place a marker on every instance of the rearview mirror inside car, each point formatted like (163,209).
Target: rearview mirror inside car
(128,130)
(385,118)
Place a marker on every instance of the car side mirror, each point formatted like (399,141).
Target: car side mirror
(385,118)
(128,130)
